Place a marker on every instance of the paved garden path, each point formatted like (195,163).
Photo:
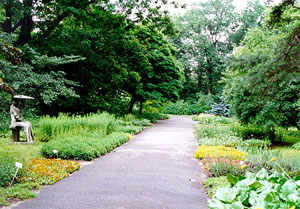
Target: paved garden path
(155,170)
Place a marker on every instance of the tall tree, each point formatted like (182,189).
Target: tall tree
(263,77)
(204,41)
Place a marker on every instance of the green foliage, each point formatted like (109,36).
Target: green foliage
(190,106)
(4,113)
(260,158)
(220,167)
(262,78)
(85,148)
(7,169)
(130,129)
(183,108)
(19,191)
(142,122)
(214,183)
(154,117)
(203,42)
(255,143)
(296,146)
(67,126)
(216,120)
(259,190)
(256,132)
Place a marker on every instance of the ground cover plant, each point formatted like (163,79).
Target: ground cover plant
(83,147)
(216,134)
(258,190)
(18,191)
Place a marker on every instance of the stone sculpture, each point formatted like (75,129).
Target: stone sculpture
(17,121)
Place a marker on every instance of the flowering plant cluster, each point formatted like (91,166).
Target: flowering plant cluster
(47,171)
(219,152)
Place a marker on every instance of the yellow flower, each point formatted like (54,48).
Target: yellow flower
(273,159)
(294,207)
(129,136)
(219,152)
(258,208)
(243,166)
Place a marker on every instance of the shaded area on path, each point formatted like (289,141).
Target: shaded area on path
(156,169)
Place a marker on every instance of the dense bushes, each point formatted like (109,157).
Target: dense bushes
(191,106)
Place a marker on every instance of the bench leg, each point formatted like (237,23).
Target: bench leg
(16,135)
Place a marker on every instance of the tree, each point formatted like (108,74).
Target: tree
(163,80)
(263,77)
(251,17)
(49,14)
(204,41)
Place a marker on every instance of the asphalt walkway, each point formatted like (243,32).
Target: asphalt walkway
(155,170)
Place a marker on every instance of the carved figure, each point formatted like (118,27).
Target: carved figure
(17,122)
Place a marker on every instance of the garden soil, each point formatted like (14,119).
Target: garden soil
(154,170)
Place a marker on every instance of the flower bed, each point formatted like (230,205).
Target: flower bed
(219,152)
(47,171)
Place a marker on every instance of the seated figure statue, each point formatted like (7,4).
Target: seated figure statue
(17,121)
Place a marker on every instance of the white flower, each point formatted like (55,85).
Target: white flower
(242,162)
(54,151)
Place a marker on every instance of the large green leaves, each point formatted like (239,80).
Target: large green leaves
(258,191)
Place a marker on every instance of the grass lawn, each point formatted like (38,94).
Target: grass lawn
(21,152)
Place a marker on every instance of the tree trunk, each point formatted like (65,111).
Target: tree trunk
(199,79)
(141,107)
(132,102)
(7,24)
(26,24)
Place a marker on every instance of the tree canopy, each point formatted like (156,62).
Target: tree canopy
(263,76)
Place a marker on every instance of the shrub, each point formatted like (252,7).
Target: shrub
(154,117)
(47,171)
(191,107)
(130,129)
(7,169)
(250,131)
(85,148)
(219,152)
(259,190)
(142,122)
(221,109)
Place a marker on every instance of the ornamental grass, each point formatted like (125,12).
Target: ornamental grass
(219,152)
(47,171)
